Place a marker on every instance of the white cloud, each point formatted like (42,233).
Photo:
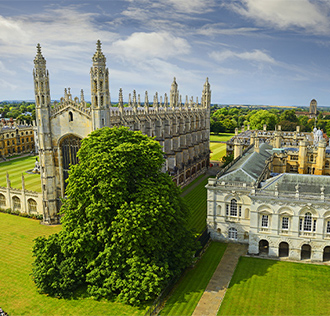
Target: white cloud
(285,14)
(181,6)
(143,45)
(66,27)
(254,56)
(192,6)
(219,29)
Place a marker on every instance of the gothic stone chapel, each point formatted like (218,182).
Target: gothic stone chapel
(182,129)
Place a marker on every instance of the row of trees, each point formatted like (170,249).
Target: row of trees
(227,119)
(23,111)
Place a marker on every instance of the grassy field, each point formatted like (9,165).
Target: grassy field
(192,183)
(196,199)
(186,295)
(268,287)
(15,169)
(18,294)
(221,137)
(218,150)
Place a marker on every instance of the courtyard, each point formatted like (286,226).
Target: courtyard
(15,169)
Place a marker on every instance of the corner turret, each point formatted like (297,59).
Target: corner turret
(100,94)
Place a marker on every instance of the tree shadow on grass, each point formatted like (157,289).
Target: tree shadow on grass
(248,267)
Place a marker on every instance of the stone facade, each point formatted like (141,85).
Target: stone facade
(181,128)
(16,139)
(22,200)
(282,214)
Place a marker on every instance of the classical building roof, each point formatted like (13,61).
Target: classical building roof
(249,167)
(305,184)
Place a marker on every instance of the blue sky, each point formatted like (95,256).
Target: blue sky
(274,52)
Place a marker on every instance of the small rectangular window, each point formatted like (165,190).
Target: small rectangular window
(264,221)
(300,223)
(239,210)
(285,222)
(314,225)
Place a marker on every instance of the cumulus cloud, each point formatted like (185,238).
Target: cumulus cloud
(255,56)
(285,14)
(143,45)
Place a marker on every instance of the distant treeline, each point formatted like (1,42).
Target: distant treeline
(226,119)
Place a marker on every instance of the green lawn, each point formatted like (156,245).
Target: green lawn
(196,200)
(218,150)
(269,287)
(186,295)
(15,169)
(223,137)
(192,183)
(18,294)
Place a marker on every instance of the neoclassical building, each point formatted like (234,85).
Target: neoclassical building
(182,128)
(275,198)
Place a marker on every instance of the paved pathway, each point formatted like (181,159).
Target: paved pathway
(212,297)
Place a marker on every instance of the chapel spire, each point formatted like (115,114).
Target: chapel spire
(99,58)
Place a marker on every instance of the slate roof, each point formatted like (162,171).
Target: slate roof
(249,167)
(308,184)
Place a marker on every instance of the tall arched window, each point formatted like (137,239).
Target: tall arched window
(307,223)
(70,146)
(32,205)
(232,233)
(233,209)
(16,203)
(70,116)
(2,200)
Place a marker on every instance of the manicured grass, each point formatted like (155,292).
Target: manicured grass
(218,150)
(15,169)
(188,292)
(192,183)
(18,294)
(196,200)
(269,287)
(223,137)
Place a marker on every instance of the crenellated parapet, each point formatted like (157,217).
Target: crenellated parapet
(67,102)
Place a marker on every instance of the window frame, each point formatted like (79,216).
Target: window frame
(232,233)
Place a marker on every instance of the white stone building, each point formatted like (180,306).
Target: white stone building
(276,214)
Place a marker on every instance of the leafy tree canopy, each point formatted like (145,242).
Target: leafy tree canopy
(262,117)
(124,226)
(289,115)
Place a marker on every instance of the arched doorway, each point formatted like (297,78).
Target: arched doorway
(306,251)
(69,148)
(283,249)
(326,253)
(263,247)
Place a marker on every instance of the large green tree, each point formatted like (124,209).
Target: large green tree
(124,225)
(258,119)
